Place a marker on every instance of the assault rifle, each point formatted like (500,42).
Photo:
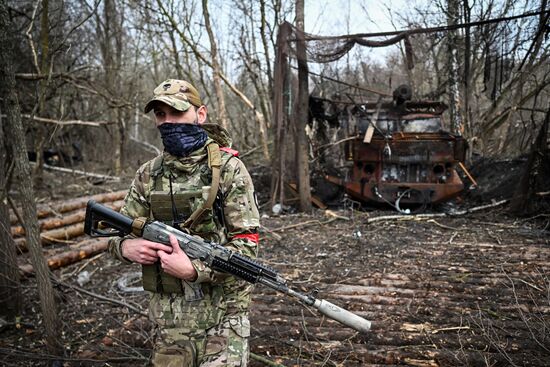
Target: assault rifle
(104,222)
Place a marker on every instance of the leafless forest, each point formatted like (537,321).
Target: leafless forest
(463,282)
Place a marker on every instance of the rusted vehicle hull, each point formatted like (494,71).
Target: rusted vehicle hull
(406,158)
(411,168)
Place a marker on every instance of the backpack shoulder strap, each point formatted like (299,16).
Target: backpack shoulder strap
(156,171)
(214,163)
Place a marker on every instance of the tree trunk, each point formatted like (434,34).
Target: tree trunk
(263,35)
(453,90)
(524,200)
(10,292)
(15,135)
(216,69)
(301,113)
(280,114)
(467,68)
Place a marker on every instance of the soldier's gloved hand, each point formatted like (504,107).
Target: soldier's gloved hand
(142,251)
(176,262)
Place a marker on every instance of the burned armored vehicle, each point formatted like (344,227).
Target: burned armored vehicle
(396,152)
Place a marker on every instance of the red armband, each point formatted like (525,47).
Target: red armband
(254,237)
(233,152)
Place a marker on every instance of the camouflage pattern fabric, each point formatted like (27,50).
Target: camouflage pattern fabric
(226,344)
(176,93)
(212,330)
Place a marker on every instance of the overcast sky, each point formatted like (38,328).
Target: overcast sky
(330,17)
(335,17)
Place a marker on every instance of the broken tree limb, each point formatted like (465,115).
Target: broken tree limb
(67,122)
(306,223)
(269,231)
(465,170)
(435,215)
(264,360)
(78,203)
(103,298)
(82,173)
(330,213)
(84,250)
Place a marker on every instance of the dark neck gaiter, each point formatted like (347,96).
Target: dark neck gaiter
(180,139)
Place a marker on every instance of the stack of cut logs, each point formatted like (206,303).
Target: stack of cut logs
(62,230)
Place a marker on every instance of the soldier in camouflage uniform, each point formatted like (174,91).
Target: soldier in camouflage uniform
(201,315)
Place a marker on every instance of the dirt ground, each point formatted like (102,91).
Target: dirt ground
(454,290)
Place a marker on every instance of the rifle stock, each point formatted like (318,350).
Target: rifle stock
(214,255)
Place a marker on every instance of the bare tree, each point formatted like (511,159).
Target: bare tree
(301,113)
(15,135)
(216,68)
(10,291)
(259,117)
(453,87)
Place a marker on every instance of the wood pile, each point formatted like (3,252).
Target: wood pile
(62,231)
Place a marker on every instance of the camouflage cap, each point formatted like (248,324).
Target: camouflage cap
(176,93)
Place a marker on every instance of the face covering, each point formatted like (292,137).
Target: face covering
(180,139)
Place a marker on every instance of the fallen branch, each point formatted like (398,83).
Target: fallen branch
(269,231)
(442,225)
(241,156)
(303,224)
(100,297)
(435,215)
(43,357)
(451,329)
(264,360)
(78,172)
(330,213)
(67,122)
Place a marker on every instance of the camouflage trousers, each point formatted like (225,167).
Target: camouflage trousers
(199,331)
(224,345)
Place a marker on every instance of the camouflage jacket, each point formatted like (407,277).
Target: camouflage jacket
(233,222)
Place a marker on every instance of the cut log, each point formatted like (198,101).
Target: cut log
(70,205)
(61,235)
(51,223)
(84,250)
